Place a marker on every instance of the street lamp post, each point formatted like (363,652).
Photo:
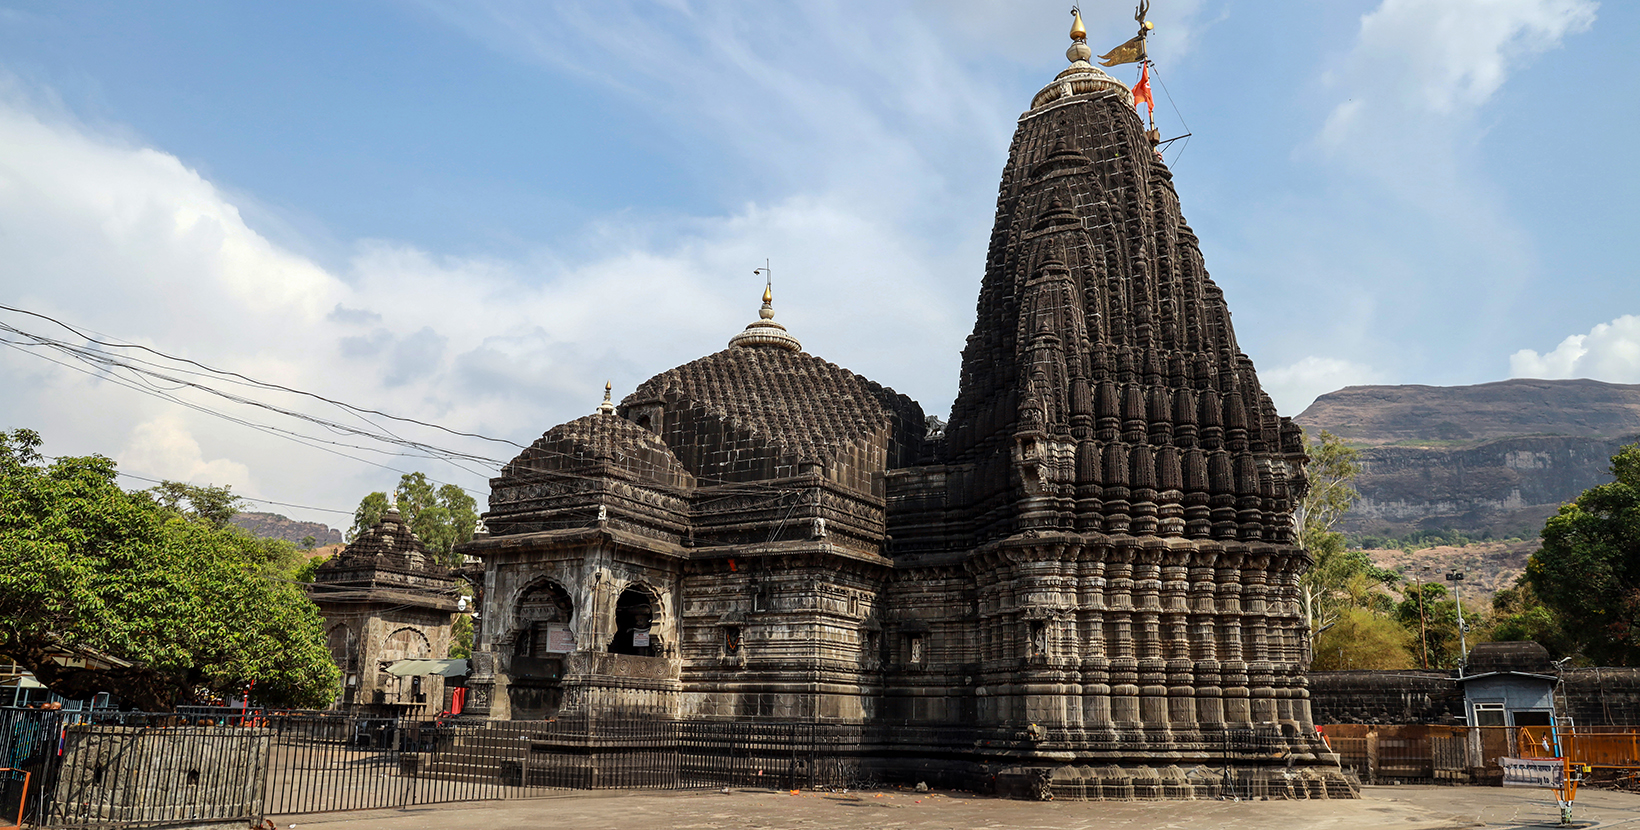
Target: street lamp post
(1456,577)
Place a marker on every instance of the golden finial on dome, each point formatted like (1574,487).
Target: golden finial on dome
(1079,52)
(607,407)
(766,332)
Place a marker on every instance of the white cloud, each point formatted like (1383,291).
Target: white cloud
(164,449)
(1444,55)
(1609,352)
(1295,387)
(1402,134)
(128,241)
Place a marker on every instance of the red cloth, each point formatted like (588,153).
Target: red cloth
(1141,91)
(458,699)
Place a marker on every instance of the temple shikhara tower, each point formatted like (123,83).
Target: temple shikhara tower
(1090,575)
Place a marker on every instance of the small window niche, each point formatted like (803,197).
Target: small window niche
(854,605)
(731,639)
(1039,638)
(914,649)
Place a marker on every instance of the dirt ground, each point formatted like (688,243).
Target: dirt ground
(1412,808)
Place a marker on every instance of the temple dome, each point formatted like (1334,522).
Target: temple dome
(602,437)
(747,414)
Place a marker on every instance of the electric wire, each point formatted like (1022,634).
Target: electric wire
(275,431)
(142,381)
(1186,145)
(253,381)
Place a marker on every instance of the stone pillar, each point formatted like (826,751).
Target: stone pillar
(1261,672)
(1205,623)
(1095,653)
(1147,588)
(1232,668)
(1124,666)
(1181,691)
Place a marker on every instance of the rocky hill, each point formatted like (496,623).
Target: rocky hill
(1497,458)
(275,526)
(1458,415)
(1488,567)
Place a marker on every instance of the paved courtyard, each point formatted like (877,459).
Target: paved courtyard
(1412,808)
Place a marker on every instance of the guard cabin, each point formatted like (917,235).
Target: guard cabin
(1510,684)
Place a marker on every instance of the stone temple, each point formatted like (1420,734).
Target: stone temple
(1092,571)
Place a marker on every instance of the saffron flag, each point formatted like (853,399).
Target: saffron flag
(1141,91)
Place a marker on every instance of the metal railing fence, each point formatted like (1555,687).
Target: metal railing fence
(135,769)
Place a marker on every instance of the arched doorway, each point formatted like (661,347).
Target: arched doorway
(636,614)
(541,638)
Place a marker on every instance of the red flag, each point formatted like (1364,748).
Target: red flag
(1141,91)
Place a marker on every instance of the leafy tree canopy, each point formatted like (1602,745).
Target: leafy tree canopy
(1363,640)
(152,578)
(1588,569)
(216,506)
(1339,579)
(442,517)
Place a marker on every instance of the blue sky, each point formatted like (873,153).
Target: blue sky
(475,213)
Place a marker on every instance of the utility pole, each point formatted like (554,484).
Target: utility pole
(1456,577)
(1423,631)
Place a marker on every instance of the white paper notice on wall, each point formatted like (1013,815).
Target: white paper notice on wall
(560,639)
(640,639)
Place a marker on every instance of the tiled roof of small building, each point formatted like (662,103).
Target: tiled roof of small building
(809,407)
(1517,655)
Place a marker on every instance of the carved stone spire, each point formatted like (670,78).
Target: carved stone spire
(1094,303)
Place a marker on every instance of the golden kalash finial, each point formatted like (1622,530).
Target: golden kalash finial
(607,407)
(1079,52)
(766,332)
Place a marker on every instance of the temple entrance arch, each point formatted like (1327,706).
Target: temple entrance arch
(542,637)
(637,615)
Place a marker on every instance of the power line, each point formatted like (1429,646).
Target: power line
(247,498)
(253,381)
(143,382)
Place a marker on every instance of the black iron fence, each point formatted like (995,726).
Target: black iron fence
(129,769)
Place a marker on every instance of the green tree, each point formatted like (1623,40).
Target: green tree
(309,543)
(370,512)
(1588,571)
(191,605)
(442,517)
(1518,614)
(1339,579)
(215,506)
(1440,623)
(461,637)
(1361,639)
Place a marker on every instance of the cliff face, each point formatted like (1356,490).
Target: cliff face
(275,526)
(1499,457)
(1376,415)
